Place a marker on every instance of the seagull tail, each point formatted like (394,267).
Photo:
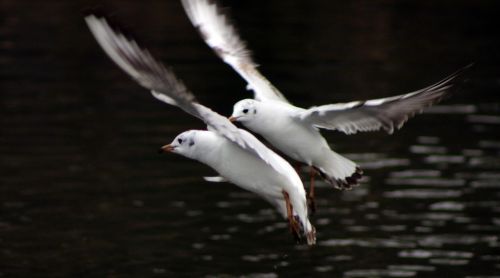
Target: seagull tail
(340,172)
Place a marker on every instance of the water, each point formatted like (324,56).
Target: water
(83,192)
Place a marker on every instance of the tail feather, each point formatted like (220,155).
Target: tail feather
(340,172)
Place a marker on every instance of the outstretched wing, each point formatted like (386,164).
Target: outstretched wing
(384,113)
(223,38)
(165,86)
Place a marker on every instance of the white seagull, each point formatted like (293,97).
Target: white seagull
(294,130)
(234,153)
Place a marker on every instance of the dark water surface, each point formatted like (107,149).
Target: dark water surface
(84,194)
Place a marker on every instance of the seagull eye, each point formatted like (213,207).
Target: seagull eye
(245,110)
(179,140)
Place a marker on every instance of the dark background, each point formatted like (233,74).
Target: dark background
(84,194)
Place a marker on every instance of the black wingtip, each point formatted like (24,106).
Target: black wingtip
(344,184)
(352,181)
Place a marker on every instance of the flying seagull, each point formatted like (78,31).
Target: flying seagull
(234,153)
(294,130)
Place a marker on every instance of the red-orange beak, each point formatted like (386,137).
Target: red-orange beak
(167,148)
(233,119)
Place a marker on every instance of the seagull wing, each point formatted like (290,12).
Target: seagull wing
(222,37)
(384,113)
(165,86)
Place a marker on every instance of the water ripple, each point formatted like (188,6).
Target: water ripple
(426,182)
(379,273)
(423,194)
(434,159)
(425,254)
(384,163)
(418,149)
(447,205)
(451,239)
(449,262)
(484,119)
(371,243)
(415,173)
(413,267)
(489,144)
(431,140)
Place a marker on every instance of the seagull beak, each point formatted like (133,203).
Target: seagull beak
(233,119)
(166,148)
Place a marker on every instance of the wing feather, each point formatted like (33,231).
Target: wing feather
(165,86)
(384,113)
(218,33)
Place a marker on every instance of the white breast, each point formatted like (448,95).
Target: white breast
(244,169)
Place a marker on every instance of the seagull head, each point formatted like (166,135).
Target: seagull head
(244,111)
(184,144)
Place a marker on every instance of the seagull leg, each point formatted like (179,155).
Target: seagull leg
(310,197)
(292,222)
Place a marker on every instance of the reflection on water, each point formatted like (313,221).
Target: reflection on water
(83,193)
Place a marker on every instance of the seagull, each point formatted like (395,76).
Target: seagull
(234,153)
(293,130)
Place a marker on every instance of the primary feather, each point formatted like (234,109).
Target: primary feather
(165,86)
(217,31)
(384,113)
